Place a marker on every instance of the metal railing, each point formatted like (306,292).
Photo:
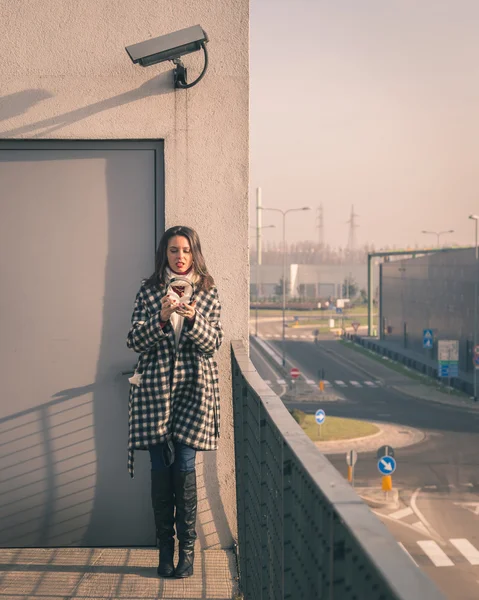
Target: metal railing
(303,532)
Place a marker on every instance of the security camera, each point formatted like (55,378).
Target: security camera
(172,46)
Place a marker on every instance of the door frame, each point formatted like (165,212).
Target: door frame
(157,146)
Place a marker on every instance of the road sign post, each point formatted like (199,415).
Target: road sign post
(448,359)
(475,357)
(320,417)
(385,451)
(351,460)
(387,466)
(387,483)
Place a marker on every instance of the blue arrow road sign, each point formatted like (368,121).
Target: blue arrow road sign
(320,416)
(427,338)
(387,465)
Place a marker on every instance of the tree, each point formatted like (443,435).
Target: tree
(350,287)
(364,296)
(278,290)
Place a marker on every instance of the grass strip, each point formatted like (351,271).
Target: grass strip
(403,370)
(333,428)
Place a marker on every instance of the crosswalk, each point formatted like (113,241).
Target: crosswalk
(337,383)
(455,551)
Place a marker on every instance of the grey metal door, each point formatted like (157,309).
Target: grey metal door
(78,223)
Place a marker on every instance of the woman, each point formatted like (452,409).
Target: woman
(174,394)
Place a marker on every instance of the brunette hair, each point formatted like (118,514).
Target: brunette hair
(161,259)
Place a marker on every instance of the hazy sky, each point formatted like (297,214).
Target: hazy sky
(367,102)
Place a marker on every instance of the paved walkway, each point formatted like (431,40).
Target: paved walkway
(120,573)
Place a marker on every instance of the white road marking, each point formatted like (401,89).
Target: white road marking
(420,527)
(472,506)
(370,383)
(403,523)
(470,552)
(303,337)
(355,383)
(435,554)
(281,381)
(340,383)
(276,335)
(327,383)
(421,517)
(403,547)
(404,512)
(310,382)
(267,381)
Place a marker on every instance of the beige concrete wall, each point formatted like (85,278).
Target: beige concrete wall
(65,75)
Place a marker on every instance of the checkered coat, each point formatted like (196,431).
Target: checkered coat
(178,392)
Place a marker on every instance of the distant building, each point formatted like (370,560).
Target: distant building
(430,292)
(308,281)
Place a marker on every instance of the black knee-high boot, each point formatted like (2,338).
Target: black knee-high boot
(186,503)
(162,497)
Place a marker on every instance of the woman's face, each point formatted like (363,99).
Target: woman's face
(179,254)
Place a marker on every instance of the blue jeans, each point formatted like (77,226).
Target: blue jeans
(184,460)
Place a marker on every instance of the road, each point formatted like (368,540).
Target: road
(438,479)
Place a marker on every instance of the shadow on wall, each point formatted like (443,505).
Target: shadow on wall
(161,84)
(18,103)
(213,528)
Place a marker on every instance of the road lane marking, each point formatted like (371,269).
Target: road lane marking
(404,512)
(420,527)
(421,517)
(471,506)
(470,552)
(435,554)
(370,383)
(310,382)
(281,382)
(355,383)
(410,556)
(403,523)
(327,383)
(340,383)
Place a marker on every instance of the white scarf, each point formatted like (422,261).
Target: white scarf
(177,320)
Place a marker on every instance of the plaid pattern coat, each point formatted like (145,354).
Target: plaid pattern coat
(177,396)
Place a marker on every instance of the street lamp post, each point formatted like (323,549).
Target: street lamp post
(475,218)
(284,213)
(438,234)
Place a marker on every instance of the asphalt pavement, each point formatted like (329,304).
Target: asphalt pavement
(437,519)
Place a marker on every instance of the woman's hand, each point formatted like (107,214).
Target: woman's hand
(187,311)
(168,307)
